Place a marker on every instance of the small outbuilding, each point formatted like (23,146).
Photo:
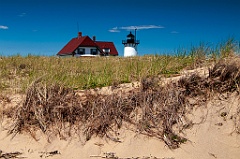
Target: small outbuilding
(85,46)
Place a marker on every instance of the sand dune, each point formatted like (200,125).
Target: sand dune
(214,137)
(214,134)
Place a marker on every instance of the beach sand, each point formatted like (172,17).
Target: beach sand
(214,134)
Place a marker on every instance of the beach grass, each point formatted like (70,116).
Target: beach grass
(82,73)
(52,104)
(18,72)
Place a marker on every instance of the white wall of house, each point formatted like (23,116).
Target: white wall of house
(87,50)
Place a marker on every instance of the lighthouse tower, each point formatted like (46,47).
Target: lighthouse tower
(130,45)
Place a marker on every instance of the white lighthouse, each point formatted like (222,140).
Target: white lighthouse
(130,45)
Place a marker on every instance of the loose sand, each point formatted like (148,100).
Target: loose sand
(213,135)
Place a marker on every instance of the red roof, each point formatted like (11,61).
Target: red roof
(86,41)
(107,45)
(72,45)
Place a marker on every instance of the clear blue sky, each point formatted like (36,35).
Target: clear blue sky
(43,27)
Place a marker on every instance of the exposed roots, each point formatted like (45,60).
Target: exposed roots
(154,110)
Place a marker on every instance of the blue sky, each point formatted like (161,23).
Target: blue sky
(43,27)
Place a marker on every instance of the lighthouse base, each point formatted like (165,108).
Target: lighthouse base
(129,51)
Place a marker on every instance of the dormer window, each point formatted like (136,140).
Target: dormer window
(106,51)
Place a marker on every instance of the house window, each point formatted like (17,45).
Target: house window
(81,51)
(94,51)
(106,51)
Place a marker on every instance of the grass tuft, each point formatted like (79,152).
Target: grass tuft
(53,103)
(154,110)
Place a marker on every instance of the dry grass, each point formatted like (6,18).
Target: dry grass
(53,105)
(3,101)
(154,110)
(17,73)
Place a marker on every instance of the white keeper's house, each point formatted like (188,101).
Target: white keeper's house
(85,46)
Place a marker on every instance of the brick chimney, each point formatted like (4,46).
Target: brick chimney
(94,38)
(79,34)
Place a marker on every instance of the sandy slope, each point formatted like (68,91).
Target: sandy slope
(212,136)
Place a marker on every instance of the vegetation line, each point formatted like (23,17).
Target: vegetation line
(17,73)
(52,103)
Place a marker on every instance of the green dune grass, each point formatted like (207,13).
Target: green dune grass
(17,72)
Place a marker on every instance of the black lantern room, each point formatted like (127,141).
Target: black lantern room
(131,40)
